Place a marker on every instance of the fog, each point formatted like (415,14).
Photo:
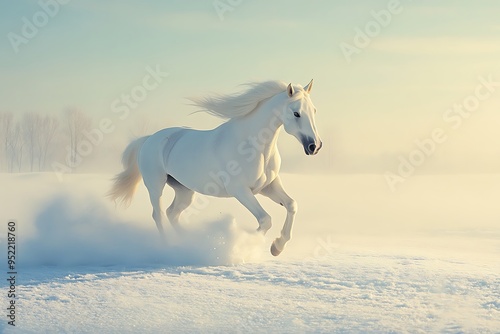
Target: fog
(72,223)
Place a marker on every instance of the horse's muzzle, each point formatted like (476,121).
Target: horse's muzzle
(310,146)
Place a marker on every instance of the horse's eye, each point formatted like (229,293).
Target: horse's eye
(296,114)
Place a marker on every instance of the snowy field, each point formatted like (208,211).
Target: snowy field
(424,259)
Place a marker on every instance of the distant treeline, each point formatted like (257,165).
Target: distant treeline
(28,141)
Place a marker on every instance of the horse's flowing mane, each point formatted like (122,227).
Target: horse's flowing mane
(239,104)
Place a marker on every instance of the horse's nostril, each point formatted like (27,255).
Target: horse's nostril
(311,147)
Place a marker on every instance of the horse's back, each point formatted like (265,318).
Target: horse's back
(190,156)
(156,149)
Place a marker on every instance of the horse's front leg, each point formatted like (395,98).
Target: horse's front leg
(276,192)
(247,198)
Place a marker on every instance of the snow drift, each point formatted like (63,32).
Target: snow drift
(72,232)
(426,256)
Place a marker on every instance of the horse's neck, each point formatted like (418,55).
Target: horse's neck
(261,127)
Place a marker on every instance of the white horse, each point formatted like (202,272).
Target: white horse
(238,159)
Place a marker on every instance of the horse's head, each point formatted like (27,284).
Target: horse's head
(298,118)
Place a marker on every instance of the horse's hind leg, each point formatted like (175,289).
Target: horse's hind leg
(154,176)
(183,198)
(157,211)
(155,187)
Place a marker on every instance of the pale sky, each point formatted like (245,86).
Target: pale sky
(427,57)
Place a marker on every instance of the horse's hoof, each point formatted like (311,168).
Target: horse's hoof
(262,231)
(179,230)
(163,236)
(275,250)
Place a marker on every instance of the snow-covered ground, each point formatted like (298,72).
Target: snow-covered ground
(363,259)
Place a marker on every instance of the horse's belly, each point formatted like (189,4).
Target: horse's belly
(259,184)
(267,173)
(197,162)
(193,163)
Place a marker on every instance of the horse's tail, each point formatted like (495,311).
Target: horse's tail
(125,183)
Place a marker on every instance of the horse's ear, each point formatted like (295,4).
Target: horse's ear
(308,87)
(289,90)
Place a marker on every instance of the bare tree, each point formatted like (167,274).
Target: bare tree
(31,133)
(15,148)
(18,146)
(77,123)
(48,128)
(6,125)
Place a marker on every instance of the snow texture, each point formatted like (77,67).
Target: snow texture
(86,267)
